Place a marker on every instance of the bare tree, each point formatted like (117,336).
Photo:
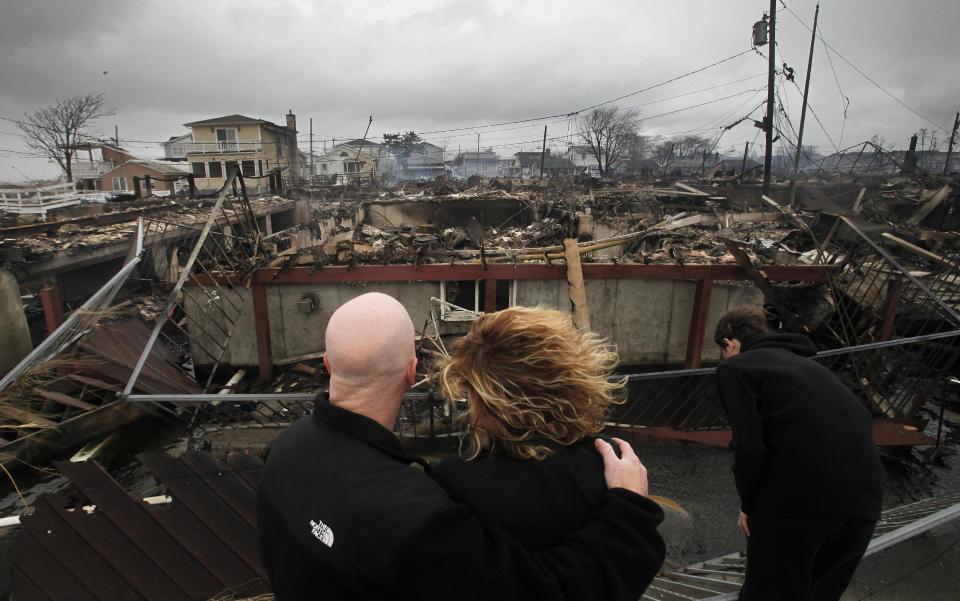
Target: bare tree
(664,152)
(608,132)
(56,130)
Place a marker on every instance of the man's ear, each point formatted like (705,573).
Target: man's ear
(411,372)
(326,364)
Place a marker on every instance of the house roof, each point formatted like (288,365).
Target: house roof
(180,137)
(334,154)
(583,149)
(161,167)
(228,120)
(359,142)
(424,146)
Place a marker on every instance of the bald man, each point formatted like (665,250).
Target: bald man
(345,513)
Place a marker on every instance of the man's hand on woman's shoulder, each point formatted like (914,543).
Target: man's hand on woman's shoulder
(624,471)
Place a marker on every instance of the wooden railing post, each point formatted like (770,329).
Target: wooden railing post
(698,323)
(261,320)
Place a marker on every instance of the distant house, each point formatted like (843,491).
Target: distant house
(635,167)
(254,146)
(347,162)
(425,160)
(373,149)
(583,158)
(175,149)
(734,167)
(528,164)
(484,164)
(121,177)
(95,159)
(522,162)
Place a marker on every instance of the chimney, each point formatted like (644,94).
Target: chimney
(292,120)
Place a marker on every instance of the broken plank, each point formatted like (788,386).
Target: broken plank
(858,205)
(25,417)
(684,186)
(930,205)
(918,250)
(760,279)
(95,382)
(578,292)
(64,399)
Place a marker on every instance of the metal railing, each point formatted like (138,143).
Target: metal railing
(91,169)
(720,579)
(206,302)
(82,320)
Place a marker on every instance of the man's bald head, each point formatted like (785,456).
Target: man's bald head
(370,341)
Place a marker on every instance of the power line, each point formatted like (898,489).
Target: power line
(634,93)
(858,70)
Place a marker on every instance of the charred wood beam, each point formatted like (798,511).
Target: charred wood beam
(533,271)
(761,279)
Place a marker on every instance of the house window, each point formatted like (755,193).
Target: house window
(468,298)
(279,150)
(227,139)
(119,183)
(216,169)
(353,166)
(199,170)
(231,165)
(249,168)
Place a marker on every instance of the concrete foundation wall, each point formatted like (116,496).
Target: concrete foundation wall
(15,341)
(648,320)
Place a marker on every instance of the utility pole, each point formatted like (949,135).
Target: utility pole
(311,147)
(953,135)
(803,111)
(116,135)
(543,150)
(768,124)
(478,158)
(743,165)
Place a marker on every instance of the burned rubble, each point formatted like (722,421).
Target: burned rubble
(706,223)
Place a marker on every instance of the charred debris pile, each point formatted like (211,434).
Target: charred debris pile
(444,221)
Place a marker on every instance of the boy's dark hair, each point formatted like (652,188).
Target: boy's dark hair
(739,323)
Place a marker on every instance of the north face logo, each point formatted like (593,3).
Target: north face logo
(321,532)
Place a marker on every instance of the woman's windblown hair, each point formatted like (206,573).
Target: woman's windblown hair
(532,380)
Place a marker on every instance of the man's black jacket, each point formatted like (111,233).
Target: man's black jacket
(344,515)
(803,442)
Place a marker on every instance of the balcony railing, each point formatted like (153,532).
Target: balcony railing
(91,169)
(224,146)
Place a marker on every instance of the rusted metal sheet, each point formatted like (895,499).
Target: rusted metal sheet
(119,345)
(96,541)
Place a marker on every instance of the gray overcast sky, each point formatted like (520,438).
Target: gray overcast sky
(439,64)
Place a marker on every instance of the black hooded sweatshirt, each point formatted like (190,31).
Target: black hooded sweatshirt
(803,442)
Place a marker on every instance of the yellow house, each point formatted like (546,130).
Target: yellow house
(254,146)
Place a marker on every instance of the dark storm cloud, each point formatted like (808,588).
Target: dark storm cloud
(441,64)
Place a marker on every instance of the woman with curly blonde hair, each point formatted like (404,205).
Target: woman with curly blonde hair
(538,392)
